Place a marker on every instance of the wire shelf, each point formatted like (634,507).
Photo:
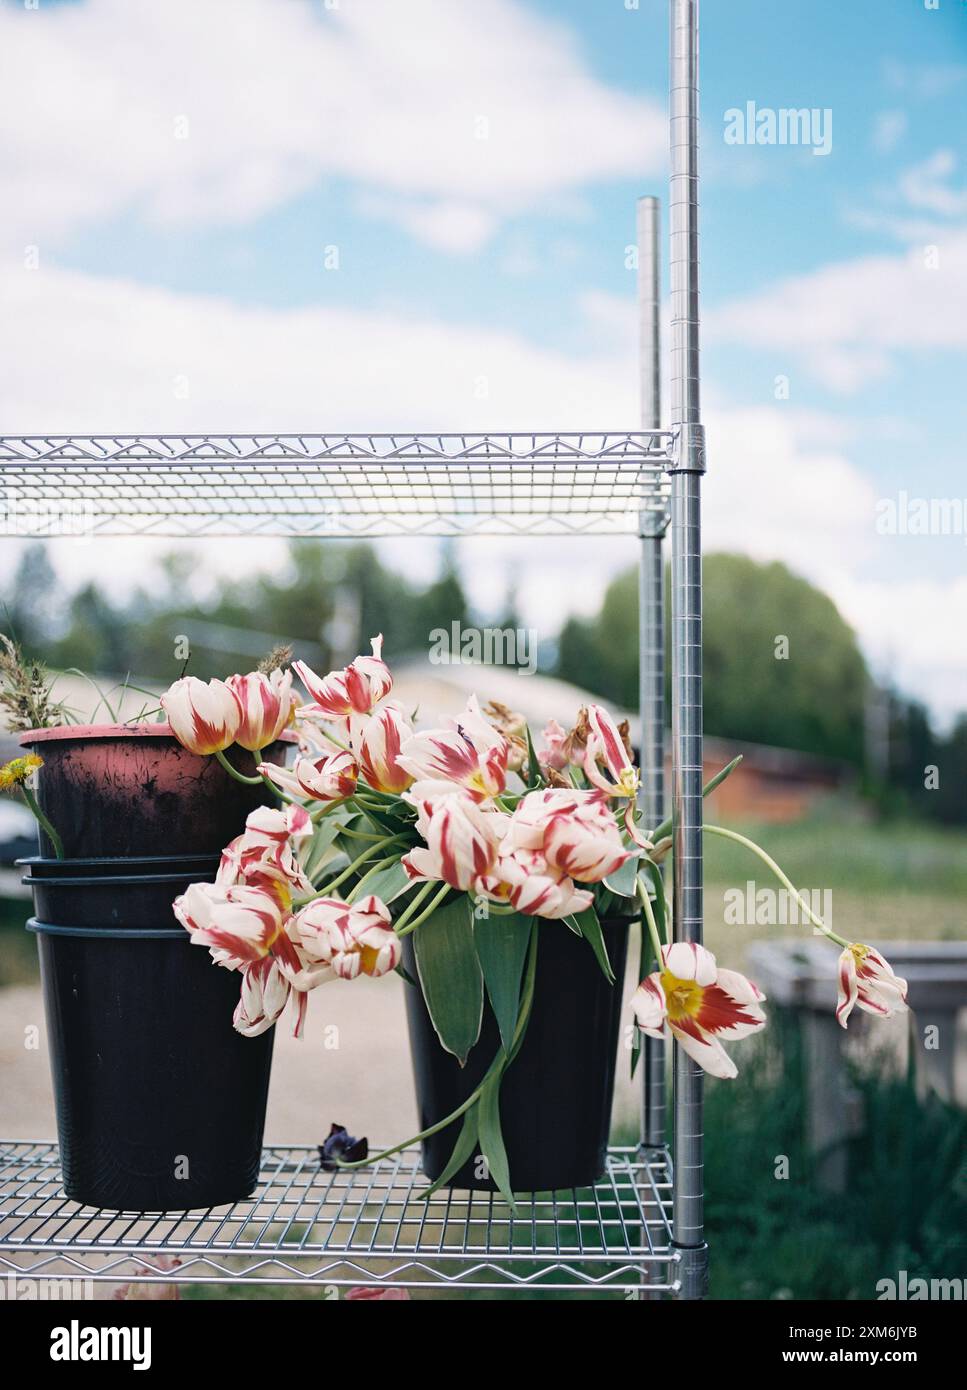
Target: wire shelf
(331,485)
(371,1226)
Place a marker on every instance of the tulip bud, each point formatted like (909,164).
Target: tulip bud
(266,703)
(203,718)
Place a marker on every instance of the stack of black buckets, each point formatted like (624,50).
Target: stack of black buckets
(160,1102)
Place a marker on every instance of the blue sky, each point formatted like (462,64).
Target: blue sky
(306,126)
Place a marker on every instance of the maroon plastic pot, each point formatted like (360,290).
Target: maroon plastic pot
(119,790)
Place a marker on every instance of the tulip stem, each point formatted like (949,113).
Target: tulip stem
(817,922)
(427,912)
(649,912)
(351,868)
(380,864)
(234,772)
(42,821)
(660,831)
(412,905)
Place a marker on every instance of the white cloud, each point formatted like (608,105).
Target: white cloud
(925,186)
(457,116)
(849,321)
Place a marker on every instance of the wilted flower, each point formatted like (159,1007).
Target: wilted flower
(702,1004)
(554,754)
(471,754)
(357,689)
(462,837)
(266,702)
(331,777)
(866,979)
(341,1145)
(204,718)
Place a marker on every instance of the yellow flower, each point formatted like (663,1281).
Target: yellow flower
(16,772)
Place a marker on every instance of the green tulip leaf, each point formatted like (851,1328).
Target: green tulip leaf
(502,949)
(450,975)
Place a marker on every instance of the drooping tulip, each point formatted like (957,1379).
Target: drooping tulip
(702,1004)
(532,886)
(264,995)
(266,702)
(574,830)
(327,778)
(265,851)
(376,740)
(606,744)
(246,922)
(462,840)
(356,689)
(472,755)
(867,980)
(204,717)
(350,938)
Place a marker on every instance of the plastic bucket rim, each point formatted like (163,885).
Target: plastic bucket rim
(42,861)
(106,880)
(33,924)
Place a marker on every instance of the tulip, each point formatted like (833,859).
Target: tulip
(554,754)
(264,852)
(357,689)
(606,744)
(327,778)
(349,938)
(574,830)
(532,886)
(472,755)
(266,702)
(462,837)
(866,979)
(203,718)
(245,922)
(265,993)
(377,740)
(703,1005)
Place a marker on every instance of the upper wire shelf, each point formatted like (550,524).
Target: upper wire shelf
(332,484)
(374,1225)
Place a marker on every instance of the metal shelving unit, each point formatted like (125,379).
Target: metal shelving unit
(641,1227)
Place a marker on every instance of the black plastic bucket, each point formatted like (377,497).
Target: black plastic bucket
(160,1102)
(192,864)
(113,900)
(555,1098)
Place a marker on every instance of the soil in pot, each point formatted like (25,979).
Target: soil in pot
(556,1097)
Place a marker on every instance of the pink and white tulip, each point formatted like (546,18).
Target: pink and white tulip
(265,851)
(348,939)
(462,840)
(264,995)
(377,740)
(574,830)
(204,717)
(702,1005)
(606,745)
(244,922)
(331,777)
(266,703)
(471,755)
(867,980)
(356,689)
(532,886)
(554,754)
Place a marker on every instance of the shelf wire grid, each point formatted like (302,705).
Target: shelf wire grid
(332,485)
(372,1225)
